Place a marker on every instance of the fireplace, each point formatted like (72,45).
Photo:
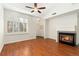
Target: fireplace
(67,37)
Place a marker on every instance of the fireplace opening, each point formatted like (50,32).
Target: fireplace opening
(67,37)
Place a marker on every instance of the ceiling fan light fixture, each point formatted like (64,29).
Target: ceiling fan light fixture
(35,8)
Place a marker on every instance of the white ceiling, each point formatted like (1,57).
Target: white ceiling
(59,8)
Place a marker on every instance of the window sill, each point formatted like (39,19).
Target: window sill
(17,33)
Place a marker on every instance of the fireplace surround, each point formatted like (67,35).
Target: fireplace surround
(67,37)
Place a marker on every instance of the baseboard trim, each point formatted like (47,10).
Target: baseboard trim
(1,48)
(18,41)
(51,39)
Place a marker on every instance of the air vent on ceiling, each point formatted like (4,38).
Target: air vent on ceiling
(54,13)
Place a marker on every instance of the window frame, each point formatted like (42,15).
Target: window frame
(19,32)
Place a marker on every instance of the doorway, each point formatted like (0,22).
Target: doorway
(40,29)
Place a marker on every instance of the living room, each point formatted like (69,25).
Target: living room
(31,29)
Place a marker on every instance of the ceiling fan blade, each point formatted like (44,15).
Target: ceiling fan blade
(32,11)
(35,4)
(42,8)
(29,7)
(39,11)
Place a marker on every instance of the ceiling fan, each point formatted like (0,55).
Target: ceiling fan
(35,8)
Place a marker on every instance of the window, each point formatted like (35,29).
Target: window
(18,26)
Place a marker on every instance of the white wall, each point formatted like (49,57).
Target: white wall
(77,30)
(65,22)
(1,28)
(20,37)
(46,28)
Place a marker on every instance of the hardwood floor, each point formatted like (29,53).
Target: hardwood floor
(39,47)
